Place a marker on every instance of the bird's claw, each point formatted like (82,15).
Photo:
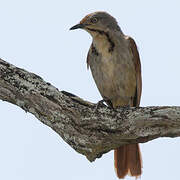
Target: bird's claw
(100,104)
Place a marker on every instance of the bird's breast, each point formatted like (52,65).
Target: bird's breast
(114,74)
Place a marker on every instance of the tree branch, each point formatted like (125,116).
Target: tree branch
(89,130)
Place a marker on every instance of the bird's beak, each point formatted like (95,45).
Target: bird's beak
(77,26)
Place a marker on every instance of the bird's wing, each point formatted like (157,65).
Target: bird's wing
(137,63)
(88,57)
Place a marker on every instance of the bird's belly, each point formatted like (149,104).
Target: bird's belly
(116,82)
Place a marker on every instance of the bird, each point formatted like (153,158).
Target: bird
(115,65)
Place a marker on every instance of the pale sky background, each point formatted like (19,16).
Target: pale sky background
(34,35)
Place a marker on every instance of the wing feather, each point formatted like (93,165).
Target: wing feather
(137,63)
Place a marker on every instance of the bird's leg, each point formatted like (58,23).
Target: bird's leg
(100,103)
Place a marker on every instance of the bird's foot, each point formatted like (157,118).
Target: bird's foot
(100,104)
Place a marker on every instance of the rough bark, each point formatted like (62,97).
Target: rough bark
(88,129)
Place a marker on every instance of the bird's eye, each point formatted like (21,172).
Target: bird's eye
(94,20)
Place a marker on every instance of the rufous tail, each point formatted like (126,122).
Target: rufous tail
(127,160)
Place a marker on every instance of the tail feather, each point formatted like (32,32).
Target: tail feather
(127,160)
(120,162)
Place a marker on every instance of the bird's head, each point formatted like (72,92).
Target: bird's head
(97,21)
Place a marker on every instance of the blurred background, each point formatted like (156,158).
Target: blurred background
(34,35)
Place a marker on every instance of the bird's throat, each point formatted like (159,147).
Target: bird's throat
(102,40)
